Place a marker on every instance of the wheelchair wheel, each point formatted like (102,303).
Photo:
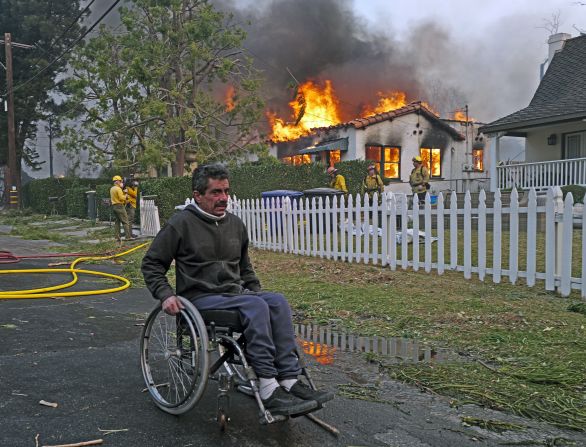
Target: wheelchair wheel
(174,358)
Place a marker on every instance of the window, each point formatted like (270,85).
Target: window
(387,160)
(575,145)
(432,160)
(478,159)
(297,160)
(334,157)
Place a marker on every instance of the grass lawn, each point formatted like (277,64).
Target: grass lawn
(529,347)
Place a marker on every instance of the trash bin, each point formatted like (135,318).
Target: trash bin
(278,195)
(92,209)
(323,193)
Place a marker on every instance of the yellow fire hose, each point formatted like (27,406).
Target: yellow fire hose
(44,292)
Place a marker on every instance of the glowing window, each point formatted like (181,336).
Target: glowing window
(432,160)
(387,157)
(297,160)
(334,157)
(478,159)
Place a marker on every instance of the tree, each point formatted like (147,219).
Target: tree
(154,90)
(51,27)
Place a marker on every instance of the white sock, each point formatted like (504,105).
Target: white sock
(287,383)
(267,387)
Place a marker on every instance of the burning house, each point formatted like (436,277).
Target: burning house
(390,135)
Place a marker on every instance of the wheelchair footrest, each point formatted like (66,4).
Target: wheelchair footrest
(245,389)
(264,420)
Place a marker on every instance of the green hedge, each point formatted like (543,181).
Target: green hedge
(250,180)
(170,192)
(577,192)
(103,192)
(36,193)
(76,201)
(247,181)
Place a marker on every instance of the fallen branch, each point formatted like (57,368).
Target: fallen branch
(48,404)
(109,432)
(79,444)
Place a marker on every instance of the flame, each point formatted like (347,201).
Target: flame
(229,98)
(386,102)
(314,106)
(461,116)
(323,354)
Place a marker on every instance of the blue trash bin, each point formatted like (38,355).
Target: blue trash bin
(278,195)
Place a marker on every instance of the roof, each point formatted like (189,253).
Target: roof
(341,144)
(561,95)
(414,107)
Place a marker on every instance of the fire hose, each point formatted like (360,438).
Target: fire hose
(47,292)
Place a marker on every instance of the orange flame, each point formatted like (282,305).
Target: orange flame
(461,116)
(323,354)
(386,102)
(317,106)
(314,106)
(229,98)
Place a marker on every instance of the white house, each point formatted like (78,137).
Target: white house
(453,150)
(553,124)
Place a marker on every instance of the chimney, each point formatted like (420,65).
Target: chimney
(556,43)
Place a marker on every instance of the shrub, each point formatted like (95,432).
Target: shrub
(36,193)
(247,181)
(76,202)
(577,192)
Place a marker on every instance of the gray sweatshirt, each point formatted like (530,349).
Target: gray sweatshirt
(211,257)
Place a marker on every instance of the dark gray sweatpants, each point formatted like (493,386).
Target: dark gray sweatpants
(270,339)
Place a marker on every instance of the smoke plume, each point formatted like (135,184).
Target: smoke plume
(325,39)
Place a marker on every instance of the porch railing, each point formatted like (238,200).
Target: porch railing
(542,175)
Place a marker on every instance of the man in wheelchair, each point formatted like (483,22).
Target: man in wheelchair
(213,270)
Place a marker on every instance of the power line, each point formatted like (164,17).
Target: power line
(67,50)
(71,25)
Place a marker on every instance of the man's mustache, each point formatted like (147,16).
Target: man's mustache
(222,203)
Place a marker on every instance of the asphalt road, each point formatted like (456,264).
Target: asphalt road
(83,354)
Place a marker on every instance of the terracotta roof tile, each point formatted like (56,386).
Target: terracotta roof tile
(360,123)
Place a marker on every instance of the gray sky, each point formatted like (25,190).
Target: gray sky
(493,49)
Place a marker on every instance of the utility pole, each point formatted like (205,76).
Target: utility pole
(12,177)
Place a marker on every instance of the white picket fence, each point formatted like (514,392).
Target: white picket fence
(150,224)
(487,241)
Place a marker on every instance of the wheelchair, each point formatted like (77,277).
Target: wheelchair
(180,354)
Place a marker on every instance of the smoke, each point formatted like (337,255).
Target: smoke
(325,39)
(320,40)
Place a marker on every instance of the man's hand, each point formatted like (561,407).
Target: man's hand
(172,305)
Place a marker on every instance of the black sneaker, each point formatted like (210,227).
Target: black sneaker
(302,391)
(282,403)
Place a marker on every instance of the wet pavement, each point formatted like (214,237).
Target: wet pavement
(83,354)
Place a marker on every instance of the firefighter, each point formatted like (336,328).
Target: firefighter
(131,196)
(372,183)
(118,201)
(419,179)
(337,180)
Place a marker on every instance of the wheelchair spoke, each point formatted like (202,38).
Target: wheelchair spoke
(180,376)
(174,351)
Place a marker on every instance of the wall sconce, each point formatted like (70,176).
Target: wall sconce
(552,139)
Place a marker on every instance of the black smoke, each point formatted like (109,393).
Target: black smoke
(495,74)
